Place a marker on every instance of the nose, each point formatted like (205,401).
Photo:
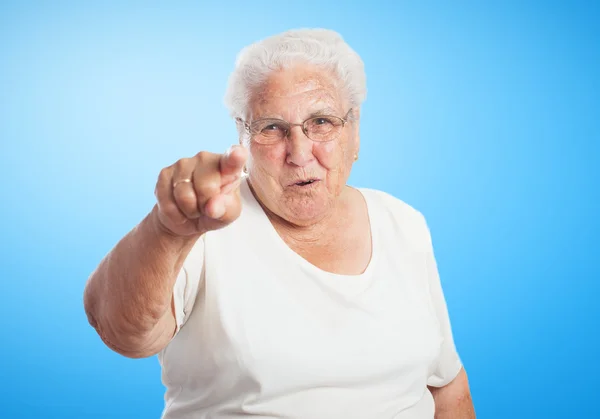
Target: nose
(299,147)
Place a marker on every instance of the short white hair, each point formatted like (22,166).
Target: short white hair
(319,47)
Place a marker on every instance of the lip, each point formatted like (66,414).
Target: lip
(302,183)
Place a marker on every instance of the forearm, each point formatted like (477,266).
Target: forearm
(128,297)
(453,401)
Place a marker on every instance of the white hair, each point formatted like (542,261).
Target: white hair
(319,47)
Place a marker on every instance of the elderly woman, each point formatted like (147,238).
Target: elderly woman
(267,286)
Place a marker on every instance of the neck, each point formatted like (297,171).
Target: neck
(319,231)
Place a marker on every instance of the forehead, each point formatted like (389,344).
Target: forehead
(295,91)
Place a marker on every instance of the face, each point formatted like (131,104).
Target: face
(298,179)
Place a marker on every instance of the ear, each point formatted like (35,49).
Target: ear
(241,129)
(355,121)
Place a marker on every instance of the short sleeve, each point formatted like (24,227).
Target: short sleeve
(188,283)
(414,226)
(448,364)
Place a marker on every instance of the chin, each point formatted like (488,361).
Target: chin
(304,207)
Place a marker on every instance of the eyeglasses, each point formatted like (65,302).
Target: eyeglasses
(320,128)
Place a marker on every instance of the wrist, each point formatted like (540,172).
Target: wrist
(166,236)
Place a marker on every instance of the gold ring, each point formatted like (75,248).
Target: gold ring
(177,182)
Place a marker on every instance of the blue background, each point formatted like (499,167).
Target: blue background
(483,115)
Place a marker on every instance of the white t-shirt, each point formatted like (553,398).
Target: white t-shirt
(263,333)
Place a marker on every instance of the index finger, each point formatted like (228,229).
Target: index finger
(232,162)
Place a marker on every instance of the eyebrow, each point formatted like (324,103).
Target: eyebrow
(324,111)
(321,112)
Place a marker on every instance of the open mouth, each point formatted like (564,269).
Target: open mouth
(306,182)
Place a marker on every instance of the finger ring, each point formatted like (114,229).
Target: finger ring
(177,182)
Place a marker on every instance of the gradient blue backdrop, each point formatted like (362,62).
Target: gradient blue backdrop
(486,117)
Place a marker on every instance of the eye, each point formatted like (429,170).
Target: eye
(321,121)
(321,124)
(273,129)
(268,127)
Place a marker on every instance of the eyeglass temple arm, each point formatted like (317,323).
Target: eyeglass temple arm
(345,118)
(244,123)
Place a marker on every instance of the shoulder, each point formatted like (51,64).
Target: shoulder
(406,219)
(395,205)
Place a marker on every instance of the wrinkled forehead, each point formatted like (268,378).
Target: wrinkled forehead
(296,93)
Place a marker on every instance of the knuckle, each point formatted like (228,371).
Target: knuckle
(207,188)
(182,163)
(164,173)
(204,157)
(161,191)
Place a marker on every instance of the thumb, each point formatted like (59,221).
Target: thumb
(231,186)
(224,207)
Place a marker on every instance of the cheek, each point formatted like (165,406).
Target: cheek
(267,158)
(331,155)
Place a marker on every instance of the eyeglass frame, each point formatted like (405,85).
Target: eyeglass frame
(344,120)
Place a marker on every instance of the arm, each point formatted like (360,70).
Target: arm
(448,383)
(453,401)
(128,298)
